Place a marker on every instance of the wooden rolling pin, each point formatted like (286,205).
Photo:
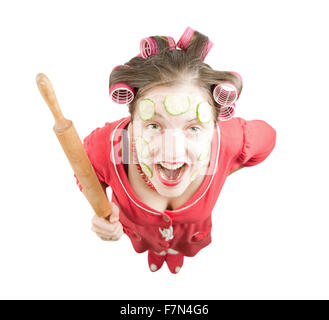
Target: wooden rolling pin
(75,152)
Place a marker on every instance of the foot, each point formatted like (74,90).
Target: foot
(175,262)
(155,260)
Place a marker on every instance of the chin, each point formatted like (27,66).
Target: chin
(170,192)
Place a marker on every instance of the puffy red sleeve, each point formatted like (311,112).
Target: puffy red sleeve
(259,139)
(97,146)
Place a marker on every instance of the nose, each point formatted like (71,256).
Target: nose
(173,146)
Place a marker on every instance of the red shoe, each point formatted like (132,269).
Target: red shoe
(156,260)
(175,262)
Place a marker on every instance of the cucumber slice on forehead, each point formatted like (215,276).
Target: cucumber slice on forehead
(146,109)
(177,104)
(146,169)
(204,112)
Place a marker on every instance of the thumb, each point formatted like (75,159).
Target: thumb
(114,217)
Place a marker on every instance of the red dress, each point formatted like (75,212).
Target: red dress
(187,229)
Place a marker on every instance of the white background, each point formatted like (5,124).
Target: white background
(270,224)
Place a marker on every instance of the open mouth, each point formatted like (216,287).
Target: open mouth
(171,174)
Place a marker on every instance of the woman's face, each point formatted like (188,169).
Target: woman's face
(172,131)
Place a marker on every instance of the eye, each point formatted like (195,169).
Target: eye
(153,126)
(194,129)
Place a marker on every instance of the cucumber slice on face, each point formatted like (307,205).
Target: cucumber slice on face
(146,152)
(194,174)
(206,152)
(142,147)
(204,155)
(204,112)
(146,109)
(146,169)
(177,104)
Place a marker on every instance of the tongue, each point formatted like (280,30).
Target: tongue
(171,174)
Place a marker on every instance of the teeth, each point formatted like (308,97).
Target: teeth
(171,166)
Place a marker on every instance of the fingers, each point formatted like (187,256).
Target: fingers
(115,228)
(104,225)
(108,229)
(113,235)
(107,237)
(114,217)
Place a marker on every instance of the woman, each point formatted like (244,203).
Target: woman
(167,162)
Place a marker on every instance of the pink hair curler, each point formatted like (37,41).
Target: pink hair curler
(122,93)
(171,43)
(148,46)
(185,39)
(121,65)
(225,93)
(226,113)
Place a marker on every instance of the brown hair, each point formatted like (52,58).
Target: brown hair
(167,68)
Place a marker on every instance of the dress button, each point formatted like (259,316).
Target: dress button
(164,245)
(165,218)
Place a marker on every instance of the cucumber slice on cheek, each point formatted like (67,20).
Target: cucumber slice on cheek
(204,155)
(142,147)
(206,151)
(194,175)
(177,104)
(146,109)
(146,169)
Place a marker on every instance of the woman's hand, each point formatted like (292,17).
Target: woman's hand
(108,229)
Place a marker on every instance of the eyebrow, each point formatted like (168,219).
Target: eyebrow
(159,115)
